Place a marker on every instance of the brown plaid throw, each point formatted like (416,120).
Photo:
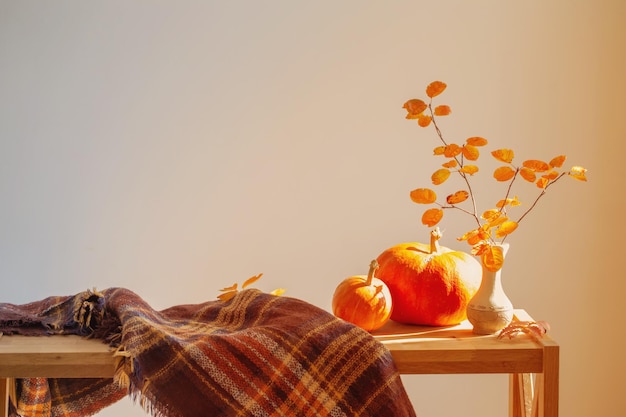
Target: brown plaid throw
(255,355)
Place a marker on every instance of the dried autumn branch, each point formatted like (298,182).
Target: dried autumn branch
(493,223)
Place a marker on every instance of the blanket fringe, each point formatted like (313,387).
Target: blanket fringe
(123,367)
(149,404)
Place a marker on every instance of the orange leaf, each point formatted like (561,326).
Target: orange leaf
(506,228)
(469,169)
(414,108)
(578,173)
(476,141)
(497,222)
(231,288)
(491,215)
(504,173)
(432,216)
(450,164)
(536,165)
(557,161)
(423,196)
(480,248)
(440,176)
(480,236)
(504,155)
(457,197)
(493,258)
(475,236)
(423,120)
(552,175)
(509,201)
(278,291)
(528,174)
(442,110)
(435,88)
(439,150)
(251,280)
(227,295)
(470,152)
(467,235)
(452,150)
(542,182)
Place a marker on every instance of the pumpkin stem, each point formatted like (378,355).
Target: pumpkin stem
(435,235)
(370,274)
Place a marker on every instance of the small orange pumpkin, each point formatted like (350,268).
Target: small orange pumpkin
(363,301)
(430,284)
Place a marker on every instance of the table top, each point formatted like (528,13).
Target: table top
(456,349)
(415,349)
(55,357)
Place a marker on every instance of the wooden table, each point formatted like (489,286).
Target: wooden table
(416,350)
(532,365)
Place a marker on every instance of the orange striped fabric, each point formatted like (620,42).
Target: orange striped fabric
(254,355)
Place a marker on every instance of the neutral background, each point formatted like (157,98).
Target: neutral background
(175,148)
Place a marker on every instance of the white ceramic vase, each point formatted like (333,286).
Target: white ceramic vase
(490,310)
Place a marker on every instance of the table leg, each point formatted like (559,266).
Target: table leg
(546,402)
(520,395)
(4,396)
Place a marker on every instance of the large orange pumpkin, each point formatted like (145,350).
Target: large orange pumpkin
(430,284)
(363,301)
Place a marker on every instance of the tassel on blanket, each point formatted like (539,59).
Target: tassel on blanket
(123,367)
(89,311)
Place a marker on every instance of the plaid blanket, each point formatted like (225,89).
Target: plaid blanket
(254,355)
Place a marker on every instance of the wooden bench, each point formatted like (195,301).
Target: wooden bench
(533,366)
(51,357)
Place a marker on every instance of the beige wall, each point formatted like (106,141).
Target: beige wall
(177,147)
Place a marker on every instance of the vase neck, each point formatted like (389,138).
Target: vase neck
(504,246)
(492,279)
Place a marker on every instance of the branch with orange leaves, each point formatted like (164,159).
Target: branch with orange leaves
(494,223)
